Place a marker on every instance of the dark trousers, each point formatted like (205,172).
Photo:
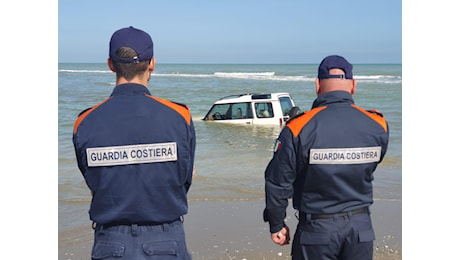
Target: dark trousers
(347,237)
(133,242)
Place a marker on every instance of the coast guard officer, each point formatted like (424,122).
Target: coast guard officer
(324,160)
(136,153)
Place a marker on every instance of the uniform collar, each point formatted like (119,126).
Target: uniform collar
(333,97)
(130,88)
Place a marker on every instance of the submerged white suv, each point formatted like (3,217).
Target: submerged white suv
(257,109)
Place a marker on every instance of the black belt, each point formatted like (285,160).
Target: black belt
(303,216)
(113,224)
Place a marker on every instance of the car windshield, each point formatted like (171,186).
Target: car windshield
(230,111)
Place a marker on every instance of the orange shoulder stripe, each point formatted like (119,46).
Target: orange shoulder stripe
(183,111)
(297,124)
(84,115)
(380,120)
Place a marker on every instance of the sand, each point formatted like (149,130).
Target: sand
(235,230)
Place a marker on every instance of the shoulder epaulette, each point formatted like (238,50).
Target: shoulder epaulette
(85,113)
(295,116)
(178,107)
(374,115)
(180,104)
(374,111)
(300,121)
(82,112)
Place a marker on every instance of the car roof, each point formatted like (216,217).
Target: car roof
(248,97)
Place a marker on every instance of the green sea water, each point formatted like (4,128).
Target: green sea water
(230,159)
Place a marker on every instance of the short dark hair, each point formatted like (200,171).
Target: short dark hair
(129,70)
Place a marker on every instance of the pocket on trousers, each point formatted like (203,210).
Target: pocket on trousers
(366,235)
(103,250)
(312,238)
(161,248)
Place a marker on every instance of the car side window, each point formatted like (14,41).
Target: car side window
(286,105)
(230,111)
(241,111)
(264,110)
(218,112)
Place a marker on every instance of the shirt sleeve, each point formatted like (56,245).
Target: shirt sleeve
(384,142)
(192,145)
(280,175)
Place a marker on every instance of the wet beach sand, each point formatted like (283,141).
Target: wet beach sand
(232,230)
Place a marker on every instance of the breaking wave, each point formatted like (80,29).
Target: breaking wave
(270,76)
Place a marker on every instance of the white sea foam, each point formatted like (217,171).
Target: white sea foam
(86,71)
(185,75)
(270,76)
(243,74)
(379,79)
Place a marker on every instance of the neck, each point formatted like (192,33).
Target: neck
(329,85)
(142,80)
(124,81)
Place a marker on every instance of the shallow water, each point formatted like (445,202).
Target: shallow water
(230,159)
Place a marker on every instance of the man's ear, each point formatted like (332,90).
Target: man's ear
(317,86)
(353,88)
(110,64)
(152,64)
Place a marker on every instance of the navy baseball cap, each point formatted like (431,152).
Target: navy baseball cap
(135,39)
(335,62)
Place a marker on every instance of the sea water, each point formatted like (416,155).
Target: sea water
(230,159)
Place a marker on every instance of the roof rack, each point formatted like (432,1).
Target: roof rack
(254,96)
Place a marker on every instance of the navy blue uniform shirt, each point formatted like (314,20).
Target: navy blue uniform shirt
(136,153)
(325,159)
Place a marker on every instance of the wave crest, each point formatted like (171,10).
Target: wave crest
(270,75)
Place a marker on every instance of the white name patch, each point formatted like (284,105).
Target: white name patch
(131,154)
(356,155)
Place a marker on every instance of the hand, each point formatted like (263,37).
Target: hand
(282,237)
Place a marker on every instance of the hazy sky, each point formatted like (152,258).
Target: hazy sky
(237,31)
